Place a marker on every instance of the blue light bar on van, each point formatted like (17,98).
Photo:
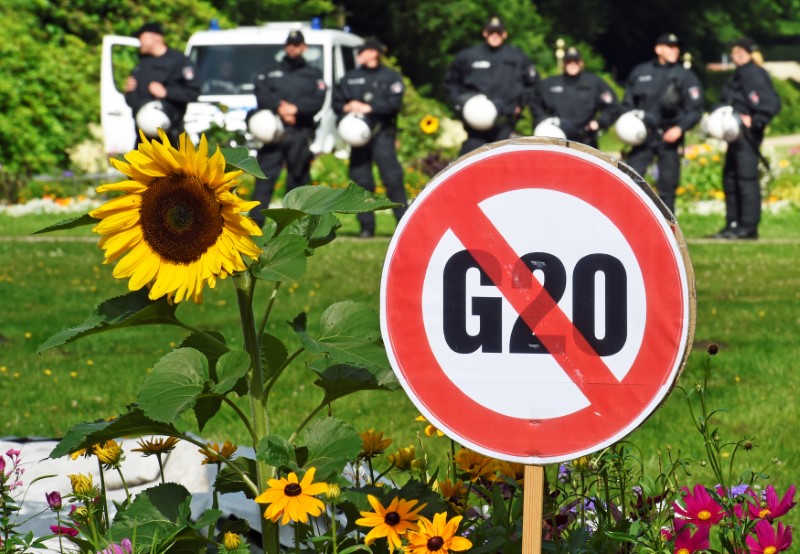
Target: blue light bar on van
(213,25)
(316,23)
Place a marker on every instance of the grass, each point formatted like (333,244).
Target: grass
(747,297)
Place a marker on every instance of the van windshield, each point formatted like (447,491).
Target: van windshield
(231,68)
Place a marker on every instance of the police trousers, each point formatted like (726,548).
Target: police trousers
(292,150)
(668,165)
(740,182)
(381,150)
(479,138)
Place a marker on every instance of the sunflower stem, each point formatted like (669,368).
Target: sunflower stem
(244,283)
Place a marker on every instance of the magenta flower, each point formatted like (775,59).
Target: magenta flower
(54,500)
(701,509)
(767,541)
(771,508)
(688,543)
(124,547)
(64,530)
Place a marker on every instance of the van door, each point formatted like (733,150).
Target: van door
(118,59)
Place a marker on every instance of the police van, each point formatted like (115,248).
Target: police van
(227,62)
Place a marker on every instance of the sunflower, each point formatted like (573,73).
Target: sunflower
(292,499)
(437,536)
(390,522)
(373,443)
(429,124)
(178,226)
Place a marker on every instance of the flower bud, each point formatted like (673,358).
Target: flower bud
(54,500)
(713,349)
(232,541)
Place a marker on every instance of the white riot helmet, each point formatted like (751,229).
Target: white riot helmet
(630,127)
(151,117)
(265,126)
(550,127)
(723,123)
(354,130)
(479,112)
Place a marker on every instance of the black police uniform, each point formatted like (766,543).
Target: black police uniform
(295,82)
(381,88)
(176,72)
(576,100)
(670,95)
(749,90)
(504,74)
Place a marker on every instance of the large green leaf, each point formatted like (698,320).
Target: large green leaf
(273,354)
(132,309)
(79,221)
(155,515)
(229,480)
(349,334)
(173,386)
(340,380)
(277,451)
(283,217)
(211,344)
(331,444)
(240,157)
(230,368)
(205,409)
(319,200)
(131,424)
(283,259)
(319,230)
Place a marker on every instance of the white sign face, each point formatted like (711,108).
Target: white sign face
(535,302)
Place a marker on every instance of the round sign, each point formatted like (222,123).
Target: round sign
(536,302)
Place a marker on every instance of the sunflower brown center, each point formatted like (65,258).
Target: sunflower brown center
(292,489)
(181,218)
(391,518)
(435,543)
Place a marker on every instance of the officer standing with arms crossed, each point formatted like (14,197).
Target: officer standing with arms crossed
(163,74)
(376,92)
(501,72)
(294,91)
(575,98)
(749,90)
(672,99)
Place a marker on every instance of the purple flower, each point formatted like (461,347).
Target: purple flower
(54,500)
(124,547)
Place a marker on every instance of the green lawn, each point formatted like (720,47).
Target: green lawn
(747,298)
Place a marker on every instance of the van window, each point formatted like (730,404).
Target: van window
(349,57)
(231,68)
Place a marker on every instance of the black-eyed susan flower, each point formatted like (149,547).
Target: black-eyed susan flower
(396,519)
(475,464)
(373,444)
(403,458)
(215,455)
(294,500)
(232,541)
(109,453)
(156,445)
(81,484)
(178,226)
(455,494)
(437,536)
(430,430)
(511,470)
(429,124)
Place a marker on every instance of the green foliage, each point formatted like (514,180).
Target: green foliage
(788,120)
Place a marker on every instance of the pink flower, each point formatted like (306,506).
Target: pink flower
(124,547)
(767,541)
(685,542)
(64,530)
(700,509)
(771,508)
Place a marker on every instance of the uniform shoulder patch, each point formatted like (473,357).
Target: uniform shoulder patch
(607,97)
(321,84)
(694,92)
(396,87)
(754,97)
(188,73)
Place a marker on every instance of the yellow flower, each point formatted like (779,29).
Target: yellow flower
(232,541)
(109,452)
(402,458)
(429,124)
(783,164)
(719,195)
(680,191)
(156,445)
(430,430)
(476,465)
(178,226)
(437,536)
(373,443)
(455,494)
(214,454)
(293,500)
(513,470)
(390,522)
(81,484)
(703,161)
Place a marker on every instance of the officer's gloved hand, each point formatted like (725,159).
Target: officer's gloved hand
(650,121)
(568,127)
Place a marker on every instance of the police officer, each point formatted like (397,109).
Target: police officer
(376,92)
(162,74)
(749,90)
(498,70)
(294,91)
(672,99)
(582,101)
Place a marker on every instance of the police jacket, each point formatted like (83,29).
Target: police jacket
(295,82)
(173,70)
(669,94)
(380,87)
(575,100)
(749,90)
(504,74)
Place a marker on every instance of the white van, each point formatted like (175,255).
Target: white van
(227,62)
